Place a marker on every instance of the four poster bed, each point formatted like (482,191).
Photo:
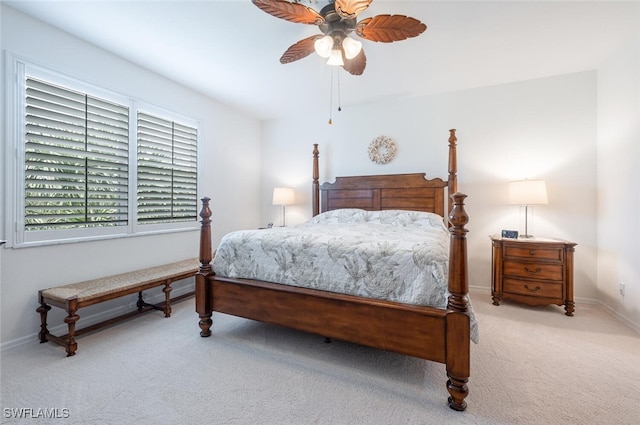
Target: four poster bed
(365,315)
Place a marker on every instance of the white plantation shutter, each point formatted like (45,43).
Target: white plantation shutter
(167,170)
(76,159)
(86,163)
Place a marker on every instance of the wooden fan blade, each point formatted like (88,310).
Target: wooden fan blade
(301,49)
(389,28)
(348,9)
(356,65)
(292,12)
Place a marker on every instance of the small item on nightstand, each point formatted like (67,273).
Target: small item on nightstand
(511,234)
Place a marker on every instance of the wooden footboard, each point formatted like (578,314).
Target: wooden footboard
(412,330)
(441,335)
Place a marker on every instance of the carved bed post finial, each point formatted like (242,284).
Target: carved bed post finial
(453,165)
(316,183)
(203,306)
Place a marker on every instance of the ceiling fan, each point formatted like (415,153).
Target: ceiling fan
(336,21)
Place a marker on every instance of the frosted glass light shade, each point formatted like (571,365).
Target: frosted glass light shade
(528,192)
(323,46)
(283,196)
(351,47)
(336,58)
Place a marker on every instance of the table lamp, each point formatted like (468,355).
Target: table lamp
(526,193)
(283,196)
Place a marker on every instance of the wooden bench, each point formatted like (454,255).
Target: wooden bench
(83,294)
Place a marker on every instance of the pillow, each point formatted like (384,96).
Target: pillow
(405,218)
(387,217)
(344,216)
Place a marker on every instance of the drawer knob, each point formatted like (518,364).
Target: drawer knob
(536,289)
(536,271)
(532,252)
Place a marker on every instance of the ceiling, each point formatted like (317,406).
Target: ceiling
(229,50)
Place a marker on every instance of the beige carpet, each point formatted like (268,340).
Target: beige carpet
(532,366)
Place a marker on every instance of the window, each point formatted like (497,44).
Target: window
(76,159)
(167,164)
(91,164)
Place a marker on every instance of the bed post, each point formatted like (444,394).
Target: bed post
(458,322)
(453,166)
(316,184)
(203,296)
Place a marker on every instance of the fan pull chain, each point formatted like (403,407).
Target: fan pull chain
(331,99)
(339,99)
(333,71)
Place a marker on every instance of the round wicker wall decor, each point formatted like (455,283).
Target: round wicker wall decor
(382,149)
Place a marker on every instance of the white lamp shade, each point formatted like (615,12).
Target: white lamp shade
(284,196)
(528,192)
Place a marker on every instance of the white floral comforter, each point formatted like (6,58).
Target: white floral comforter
(392,255)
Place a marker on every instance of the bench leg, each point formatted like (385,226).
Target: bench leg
(167,299)
(71,320)
(167,303)
(140,302)
(43,310)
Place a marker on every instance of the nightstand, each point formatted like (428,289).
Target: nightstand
(533,271)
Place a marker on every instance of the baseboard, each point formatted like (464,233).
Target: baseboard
(626,321)
(480,288)
(581,300)
(90,320)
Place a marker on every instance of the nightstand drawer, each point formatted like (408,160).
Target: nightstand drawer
(547,253)
(539,289)
(533,270)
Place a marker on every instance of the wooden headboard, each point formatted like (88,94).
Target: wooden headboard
(388,192)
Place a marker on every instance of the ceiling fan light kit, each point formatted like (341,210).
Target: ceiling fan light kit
(336,21)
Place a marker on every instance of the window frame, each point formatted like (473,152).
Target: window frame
(14,160)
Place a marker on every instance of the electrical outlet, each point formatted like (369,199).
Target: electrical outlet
(621,287)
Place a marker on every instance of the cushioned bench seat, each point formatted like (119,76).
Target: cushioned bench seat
(74,296)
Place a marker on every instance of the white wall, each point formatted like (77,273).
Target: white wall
(537,129)
(230,151)
(618,178)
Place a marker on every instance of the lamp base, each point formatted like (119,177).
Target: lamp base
(526,236)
